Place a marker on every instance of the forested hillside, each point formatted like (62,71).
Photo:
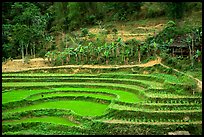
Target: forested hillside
(62,31)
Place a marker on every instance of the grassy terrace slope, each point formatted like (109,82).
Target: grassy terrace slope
(47,119)
(88,103)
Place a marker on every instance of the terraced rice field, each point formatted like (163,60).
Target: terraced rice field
(106,103)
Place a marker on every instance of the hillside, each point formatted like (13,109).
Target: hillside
(102,68)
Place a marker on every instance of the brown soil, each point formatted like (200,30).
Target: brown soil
(124,31)
(38,63)
(17,64)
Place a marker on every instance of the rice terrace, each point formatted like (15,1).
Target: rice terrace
(81,82)
(98,103)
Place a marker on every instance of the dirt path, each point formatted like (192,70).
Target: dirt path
(152,123)
(40,63)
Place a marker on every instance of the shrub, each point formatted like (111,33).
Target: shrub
(154,10)
(84,32)
(42,53)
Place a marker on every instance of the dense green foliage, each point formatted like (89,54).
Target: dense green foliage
(31,29)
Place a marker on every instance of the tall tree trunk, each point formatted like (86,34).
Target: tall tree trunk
(148,54)
(106,61)
(27,50)
(192,55)
(67,59)
(22,52)
(49,59)
(126,60)
(62,62)
(76,58)
(34,51)
(31,52)
(132,51)
(82,58)
(123,55)
(139,53)
(86,58)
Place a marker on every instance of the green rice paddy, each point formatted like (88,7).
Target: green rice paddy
(84,108)
(86,103)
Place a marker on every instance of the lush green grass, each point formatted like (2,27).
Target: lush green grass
(153,84)
(123,96)
(17,95)
(106,85)
(62,94)
(84,108)
(168,77)
(47,119)
(197,74)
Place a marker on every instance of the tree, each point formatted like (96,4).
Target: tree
(60,16)
(138,48)
(21,36)
(175,10)
(29,26)
(74,15)
(69,52)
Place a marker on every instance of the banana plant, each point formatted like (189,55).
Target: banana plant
(113,51)
(121,48)
(85,53)
(77,54)
(48,56)
(138,42)
(198,55)
(53,57)
(126,54)
(62,56)
(91,51)
(106,52)
(118,47)
(69,52)
(99,50)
